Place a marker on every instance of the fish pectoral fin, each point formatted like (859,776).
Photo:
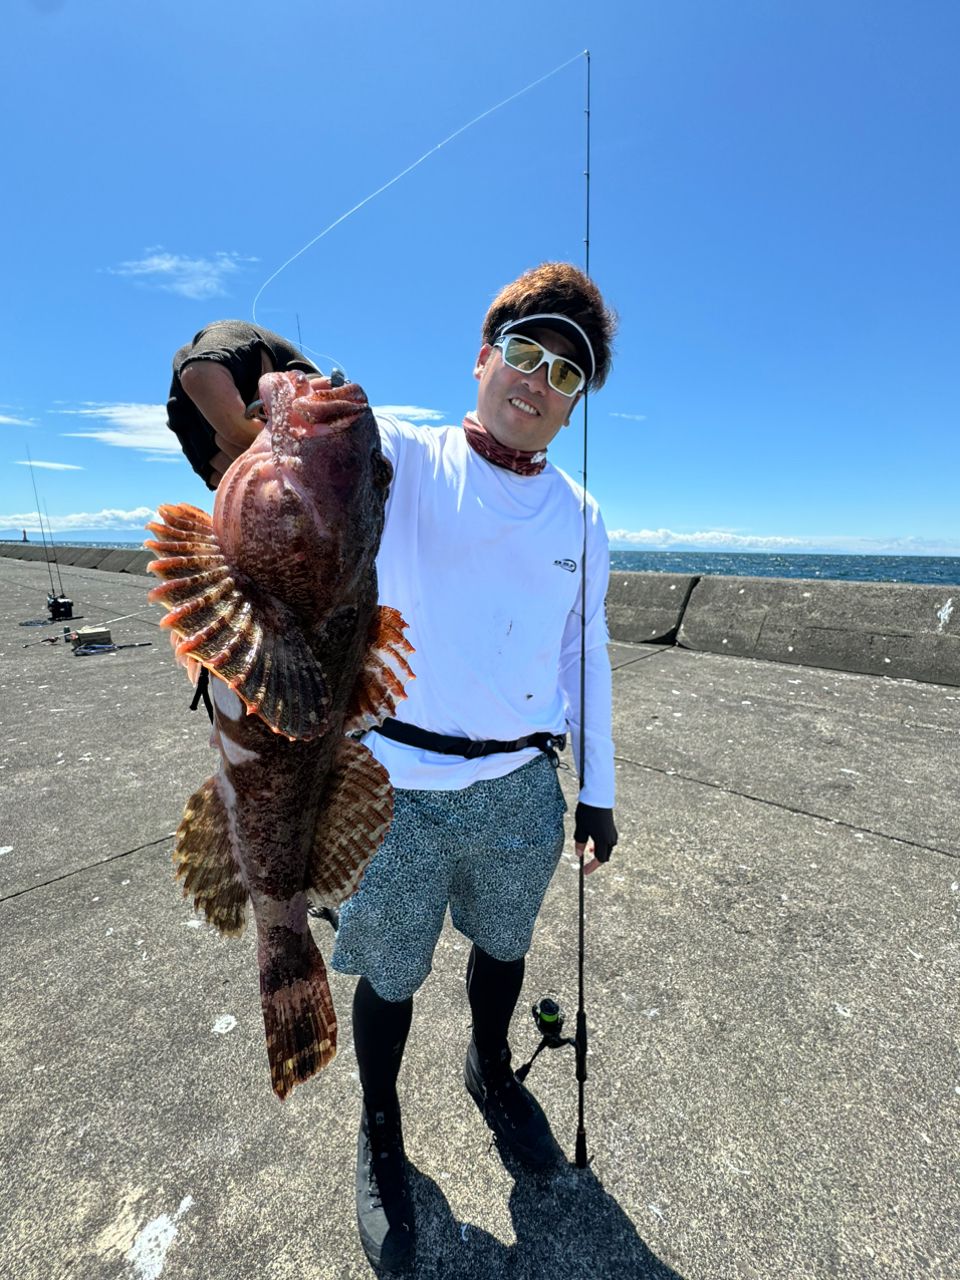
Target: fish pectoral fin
(355,815)
(183,528)
(222,622)
(203,860)
(385,672)
(298,1016)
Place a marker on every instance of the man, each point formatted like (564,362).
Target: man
(481,553)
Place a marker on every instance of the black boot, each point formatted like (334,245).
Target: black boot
(511,1110)
(384,1207)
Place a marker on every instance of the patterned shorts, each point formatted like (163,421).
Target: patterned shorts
(487,851)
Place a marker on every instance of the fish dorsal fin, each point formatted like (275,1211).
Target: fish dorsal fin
(238,634)
(355,815)
(385,672)
(204,863)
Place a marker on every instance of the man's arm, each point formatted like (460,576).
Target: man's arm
(595,832)
(212,389)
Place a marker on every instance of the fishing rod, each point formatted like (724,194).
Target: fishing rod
(581,1034)
(43,539)
(57,603)
(53,547)
(547,1013)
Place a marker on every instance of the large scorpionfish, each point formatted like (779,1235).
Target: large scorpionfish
(277,597)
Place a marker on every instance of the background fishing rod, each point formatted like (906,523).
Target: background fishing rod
(57,603)
(53,546)
(36,496)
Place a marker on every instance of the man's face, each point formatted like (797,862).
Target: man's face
(522,410)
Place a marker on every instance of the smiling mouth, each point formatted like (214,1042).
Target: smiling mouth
(524,407)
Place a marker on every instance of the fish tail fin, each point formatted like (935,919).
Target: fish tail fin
(355,815)
(203,861)
(240,635)
(298,1016)
(385,672)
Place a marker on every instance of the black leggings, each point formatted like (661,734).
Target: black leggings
(380,1027)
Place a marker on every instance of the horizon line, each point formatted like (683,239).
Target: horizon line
(100,537)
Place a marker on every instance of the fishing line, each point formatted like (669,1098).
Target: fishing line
(410,167)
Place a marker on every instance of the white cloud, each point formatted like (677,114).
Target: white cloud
(726,540)
(411,412)
(49,466)
(720,538)
(144,426)
(175,273)
(128,426)
(7,421)
(108,518)
(632,417)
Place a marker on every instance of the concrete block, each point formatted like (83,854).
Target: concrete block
(70,555)
(646,607)
(88,557)
(116,561)
(877,628)
(139,562)
(27,551)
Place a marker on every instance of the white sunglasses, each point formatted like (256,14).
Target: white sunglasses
(526,355)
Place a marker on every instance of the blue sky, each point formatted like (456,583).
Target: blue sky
(774,211)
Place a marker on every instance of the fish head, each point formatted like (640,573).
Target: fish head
(301,511)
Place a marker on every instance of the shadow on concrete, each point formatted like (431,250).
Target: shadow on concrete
(566,1227)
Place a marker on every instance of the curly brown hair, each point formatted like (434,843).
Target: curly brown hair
(562,288)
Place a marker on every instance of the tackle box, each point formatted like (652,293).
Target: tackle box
(91,635)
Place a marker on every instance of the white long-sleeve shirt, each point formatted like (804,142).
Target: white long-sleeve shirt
(485,567)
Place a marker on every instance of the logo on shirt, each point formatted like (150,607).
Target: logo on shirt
(569,565)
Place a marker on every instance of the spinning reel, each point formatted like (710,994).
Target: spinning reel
(548,1016)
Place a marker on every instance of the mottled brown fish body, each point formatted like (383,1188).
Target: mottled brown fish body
(277,598)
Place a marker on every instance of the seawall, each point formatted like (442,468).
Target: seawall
(901,630)
(904,630)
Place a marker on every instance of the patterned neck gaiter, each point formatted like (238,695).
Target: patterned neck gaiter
(520,461)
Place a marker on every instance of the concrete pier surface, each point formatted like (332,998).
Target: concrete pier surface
(772,995)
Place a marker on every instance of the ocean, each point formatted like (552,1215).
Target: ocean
(768,564)
(937,570)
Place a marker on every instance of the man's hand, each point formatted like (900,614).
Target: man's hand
(213,391)
(595,828)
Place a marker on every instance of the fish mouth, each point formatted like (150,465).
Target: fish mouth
(326,409)
(303,407)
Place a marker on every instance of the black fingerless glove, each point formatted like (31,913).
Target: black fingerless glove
(596,824)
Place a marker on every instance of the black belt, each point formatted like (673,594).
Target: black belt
(413,736)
